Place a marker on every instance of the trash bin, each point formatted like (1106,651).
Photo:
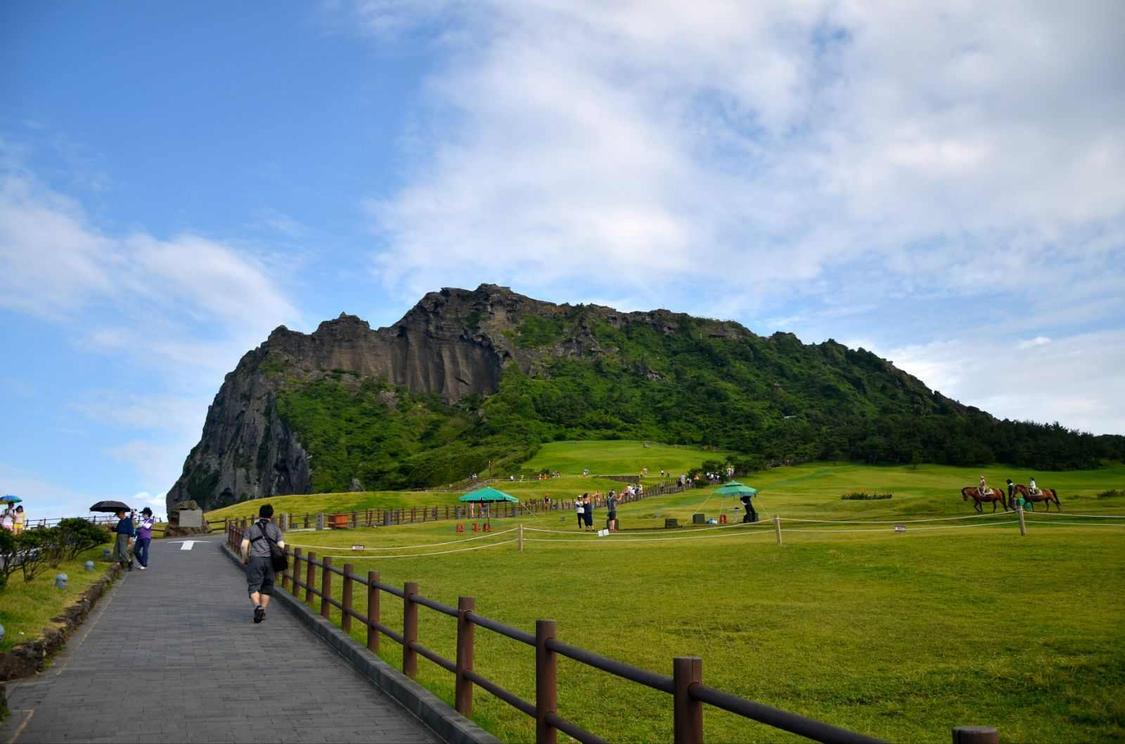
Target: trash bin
(670,522)
(698,518)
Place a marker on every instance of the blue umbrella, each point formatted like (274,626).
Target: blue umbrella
(11,499)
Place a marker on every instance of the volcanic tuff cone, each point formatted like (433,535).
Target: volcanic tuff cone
(468,377)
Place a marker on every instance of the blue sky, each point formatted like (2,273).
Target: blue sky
(942,184)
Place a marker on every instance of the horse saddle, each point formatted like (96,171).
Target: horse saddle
(985,493)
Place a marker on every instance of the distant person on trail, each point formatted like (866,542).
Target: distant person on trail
(588,511)
(8,519)
(20,520)
(256,557)
(580,509)
(611,511)
(125,532)
(144,537)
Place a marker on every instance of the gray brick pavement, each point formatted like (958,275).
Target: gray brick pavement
(171,655)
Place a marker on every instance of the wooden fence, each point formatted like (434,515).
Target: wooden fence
(421,514)
(685,685)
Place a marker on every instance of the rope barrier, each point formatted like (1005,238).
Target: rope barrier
(409,547)
(695,529)
(422,555)
(829,531)
(1069,514)
(1080,524)
(895,521)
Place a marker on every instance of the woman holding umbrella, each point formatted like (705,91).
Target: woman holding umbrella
(124,530)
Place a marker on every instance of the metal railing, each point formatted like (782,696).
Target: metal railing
(685,685)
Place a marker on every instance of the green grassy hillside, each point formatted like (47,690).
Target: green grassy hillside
(898,635)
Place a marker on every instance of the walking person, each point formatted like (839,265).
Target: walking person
(588,512)
(256,557)
(125,532)
(611,511)
(580,510)
(144,538)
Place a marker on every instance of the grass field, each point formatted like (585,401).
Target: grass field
(26,608)
(898,635)
(568,458)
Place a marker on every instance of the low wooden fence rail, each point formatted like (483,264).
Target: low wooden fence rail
(420,514)
(685,685)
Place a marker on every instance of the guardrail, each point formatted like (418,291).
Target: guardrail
(685,685)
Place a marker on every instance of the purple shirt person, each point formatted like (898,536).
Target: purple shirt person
(144,537)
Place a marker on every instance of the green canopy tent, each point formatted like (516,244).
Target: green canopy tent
(734,488)
(487,495)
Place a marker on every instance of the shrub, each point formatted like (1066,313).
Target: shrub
(35,549)
(1112,494)
(76,535)
(9,556)
(863,496)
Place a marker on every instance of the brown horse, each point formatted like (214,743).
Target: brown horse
(1045,494)
(972,492)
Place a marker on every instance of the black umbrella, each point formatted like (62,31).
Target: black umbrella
(110,506)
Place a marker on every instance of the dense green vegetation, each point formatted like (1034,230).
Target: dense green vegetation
(667,378)
(365,434)
(901,636)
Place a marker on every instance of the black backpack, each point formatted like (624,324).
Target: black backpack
(278,559)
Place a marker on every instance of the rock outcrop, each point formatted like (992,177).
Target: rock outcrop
(248,451)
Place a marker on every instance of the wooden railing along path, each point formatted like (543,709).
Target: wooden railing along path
(685,685)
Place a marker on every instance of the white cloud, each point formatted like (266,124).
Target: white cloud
(184,302)
(787,146)
(181,311)
(1076,381)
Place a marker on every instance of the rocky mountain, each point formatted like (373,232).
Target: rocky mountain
(468,379)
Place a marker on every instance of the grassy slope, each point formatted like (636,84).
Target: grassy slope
(568,458)
(26,608)
(901,636)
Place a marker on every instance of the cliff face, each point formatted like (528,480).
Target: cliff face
(248,451)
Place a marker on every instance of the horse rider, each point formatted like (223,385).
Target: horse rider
(982,488)
(1032,488)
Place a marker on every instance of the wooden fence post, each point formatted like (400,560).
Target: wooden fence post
(1023,526)
(520,542)
(687,714)
(372,610)
(295,569)
(777,528)
(975,735)
(346,600)
(325,585)
(285,574)
(409,629)
(463,694)
(310,577)
(546,675)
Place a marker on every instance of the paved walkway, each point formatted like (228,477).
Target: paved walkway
(171,655)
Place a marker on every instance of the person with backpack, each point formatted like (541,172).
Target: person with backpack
(260,545)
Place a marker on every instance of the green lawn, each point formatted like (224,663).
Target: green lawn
(898,635)
(622,457)
(26,608)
